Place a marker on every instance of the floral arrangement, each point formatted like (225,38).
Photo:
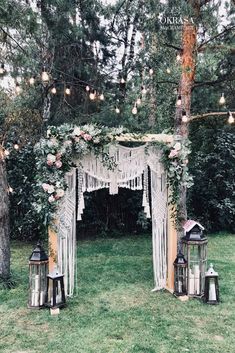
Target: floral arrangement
(54,158)
(175,160)
(55,154)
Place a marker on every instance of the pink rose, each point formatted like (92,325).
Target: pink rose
(45,186)
(49,163)
(87,137)
(58,164)
(173,153)
(58,155)
(51,199)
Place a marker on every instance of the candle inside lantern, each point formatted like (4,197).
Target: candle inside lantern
(191,282)
(197,279)
(212,291)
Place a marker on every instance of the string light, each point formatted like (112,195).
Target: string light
(32,81)
(143,90)
(151,71)
(2,69)
(53,90)
(138,101)
(16,146)
(10,189)
(67,91)
(168,70)
(122,80)
(117,110)
(18,88)
(178,57)
(101,97)
(179,101)
(92,96)
(230,118)
(44,76)
(184,117)
(222,99)
(134,110)
(87,88)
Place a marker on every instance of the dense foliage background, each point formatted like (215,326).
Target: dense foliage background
(89,43)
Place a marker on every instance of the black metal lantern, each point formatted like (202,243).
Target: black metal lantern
(55,296)
(195,251)
(180,275)
(38,269)
(211,295)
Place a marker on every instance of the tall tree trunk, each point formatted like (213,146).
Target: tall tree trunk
(189,46)
(4,221)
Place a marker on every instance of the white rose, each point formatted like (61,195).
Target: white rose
(76,131)
(50,189)
(60,192)
(51,157)
(51,199)
(177,146)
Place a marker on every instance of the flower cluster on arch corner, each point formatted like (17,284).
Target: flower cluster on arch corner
(54,158)
(175,160)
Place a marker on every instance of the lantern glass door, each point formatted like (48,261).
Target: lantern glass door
(180,281)
(37,284)
(55,296)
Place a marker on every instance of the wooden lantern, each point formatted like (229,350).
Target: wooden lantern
(55,295)
(180,275)
(38,269)
(211,295)
(195,251)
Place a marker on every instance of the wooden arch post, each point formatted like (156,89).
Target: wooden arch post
(172,234)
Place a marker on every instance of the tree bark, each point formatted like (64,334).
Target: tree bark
(4,222)
(188,63)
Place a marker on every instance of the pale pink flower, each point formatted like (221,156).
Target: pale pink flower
(51,157)
(87,137)
(177,146)
(45,186)
(51,199)
(60,192)
(173,153)
(49,163)
(58,164)
(58,155)
(77,139)
(67,143)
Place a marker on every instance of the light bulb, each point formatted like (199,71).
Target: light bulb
(18,88)
(134,110)
(222,99)
(179,101)
(144,90)
(6,153)
(184,117)
(102,97)
(53,90)
(138,101)
(44,76)
(231,118)
(92,96)
(168,70)
(117,110)
(16,146)
(178,57)
(31,81)
(87,88)
(122,80)
(2,69)
(67,91)
(151,71)
(10,189)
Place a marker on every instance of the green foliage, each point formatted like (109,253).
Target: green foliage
(212,198)
(115,310)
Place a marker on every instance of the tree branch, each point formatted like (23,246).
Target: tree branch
(212,83)
(201,116)
(173,46)
(3,30)
(215,37)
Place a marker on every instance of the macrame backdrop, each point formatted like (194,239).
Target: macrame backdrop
(132,172)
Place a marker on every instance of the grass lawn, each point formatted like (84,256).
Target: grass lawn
(115,310)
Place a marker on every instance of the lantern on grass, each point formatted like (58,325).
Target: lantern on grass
(38,269)
(180,275)
(211,295)
(55,296)
(195,251)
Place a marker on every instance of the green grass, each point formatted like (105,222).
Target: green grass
(115,310)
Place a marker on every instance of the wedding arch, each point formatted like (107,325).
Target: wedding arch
(73,160)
